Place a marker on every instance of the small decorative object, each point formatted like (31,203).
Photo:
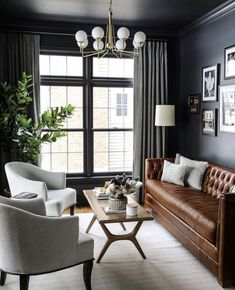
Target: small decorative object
(131,209)
(194,104)
(227,108)
(209,83)
(118,188)
(209,122)
(229,62)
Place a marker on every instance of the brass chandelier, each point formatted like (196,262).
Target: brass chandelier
(111,44)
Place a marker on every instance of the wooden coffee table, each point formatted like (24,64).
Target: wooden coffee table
(103,219)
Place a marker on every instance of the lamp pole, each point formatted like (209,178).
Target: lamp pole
(164,117)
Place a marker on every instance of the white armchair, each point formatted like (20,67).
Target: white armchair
(51,186)
(32,244)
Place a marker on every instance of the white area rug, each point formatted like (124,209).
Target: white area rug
(168,265)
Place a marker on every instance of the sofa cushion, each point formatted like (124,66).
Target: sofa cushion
(195,208)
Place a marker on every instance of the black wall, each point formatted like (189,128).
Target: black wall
(200,48)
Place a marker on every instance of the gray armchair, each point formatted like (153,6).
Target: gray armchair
(32,243)
(51,186)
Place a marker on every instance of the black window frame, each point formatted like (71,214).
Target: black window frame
(88,82)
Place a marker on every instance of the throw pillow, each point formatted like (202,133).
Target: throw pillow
(177,158)
(173,173)
(194,172)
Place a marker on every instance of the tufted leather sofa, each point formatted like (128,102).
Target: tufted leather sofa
(204,221)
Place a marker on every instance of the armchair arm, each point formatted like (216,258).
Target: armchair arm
(53,180)
(20,184)
(226,238)
(38,244)
(154,167)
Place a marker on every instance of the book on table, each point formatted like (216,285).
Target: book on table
(100,193)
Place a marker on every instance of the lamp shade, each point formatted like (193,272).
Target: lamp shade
(165,115)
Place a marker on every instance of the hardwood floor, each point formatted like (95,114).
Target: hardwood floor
(82,209)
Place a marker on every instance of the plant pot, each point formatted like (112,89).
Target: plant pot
(117,204)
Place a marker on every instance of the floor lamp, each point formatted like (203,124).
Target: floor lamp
(164,117)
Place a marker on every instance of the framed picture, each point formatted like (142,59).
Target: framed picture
(209,122)
(209,83)
(194,104)
(229,62)
(227,108)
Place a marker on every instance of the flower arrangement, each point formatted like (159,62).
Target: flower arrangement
(121,185)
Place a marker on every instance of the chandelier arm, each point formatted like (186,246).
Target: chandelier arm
(92,53)
(116,53)
(125,52)
(107,51)
(111,44)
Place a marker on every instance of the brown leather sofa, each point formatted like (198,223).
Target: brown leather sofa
(203,221)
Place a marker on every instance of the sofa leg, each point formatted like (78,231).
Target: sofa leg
(72,209)
(3,278)
(87,268)
(24,282)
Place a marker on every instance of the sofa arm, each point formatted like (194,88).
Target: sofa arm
(226,239)
(154,167)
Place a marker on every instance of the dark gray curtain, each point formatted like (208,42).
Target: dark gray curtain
(150,89)
(19,52)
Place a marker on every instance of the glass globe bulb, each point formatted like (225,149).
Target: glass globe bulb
(120,44)
(83,44)
(98,45)
(139,37)
(97,32)
(136,44)
(81,35)
(123,33)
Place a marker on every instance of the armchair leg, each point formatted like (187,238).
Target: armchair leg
(87,268)
(72,209)
(24,282)
(3,278)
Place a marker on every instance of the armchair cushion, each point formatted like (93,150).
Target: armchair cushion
(60,199)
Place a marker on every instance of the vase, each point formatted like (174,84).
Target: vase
(117,204)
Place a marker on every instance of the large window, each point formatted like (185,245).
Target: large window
(99,135)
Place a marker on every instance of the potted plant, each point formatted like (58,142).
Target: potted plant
(118,188)
(22,136)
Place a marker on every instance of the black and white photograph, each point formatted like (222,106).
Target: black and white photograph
(209,83)
(194,104)
(229,62)
(209,122)
(227,108)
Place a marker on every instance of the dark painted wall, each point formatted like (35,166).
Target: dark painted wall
(200,48)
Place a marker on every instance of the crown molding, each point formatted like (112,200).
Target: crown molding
(212,16)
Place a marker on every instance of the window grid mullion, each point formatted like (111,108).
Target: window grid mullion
(88,82)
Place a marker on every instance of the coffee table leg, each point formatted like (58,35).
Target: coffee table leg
(122,225)
(112,238)
(91,223)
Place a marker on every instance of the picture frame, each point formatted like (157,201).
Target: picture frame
(229,62)
(194,104)
(209,122)
(227,108)
(209,83)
